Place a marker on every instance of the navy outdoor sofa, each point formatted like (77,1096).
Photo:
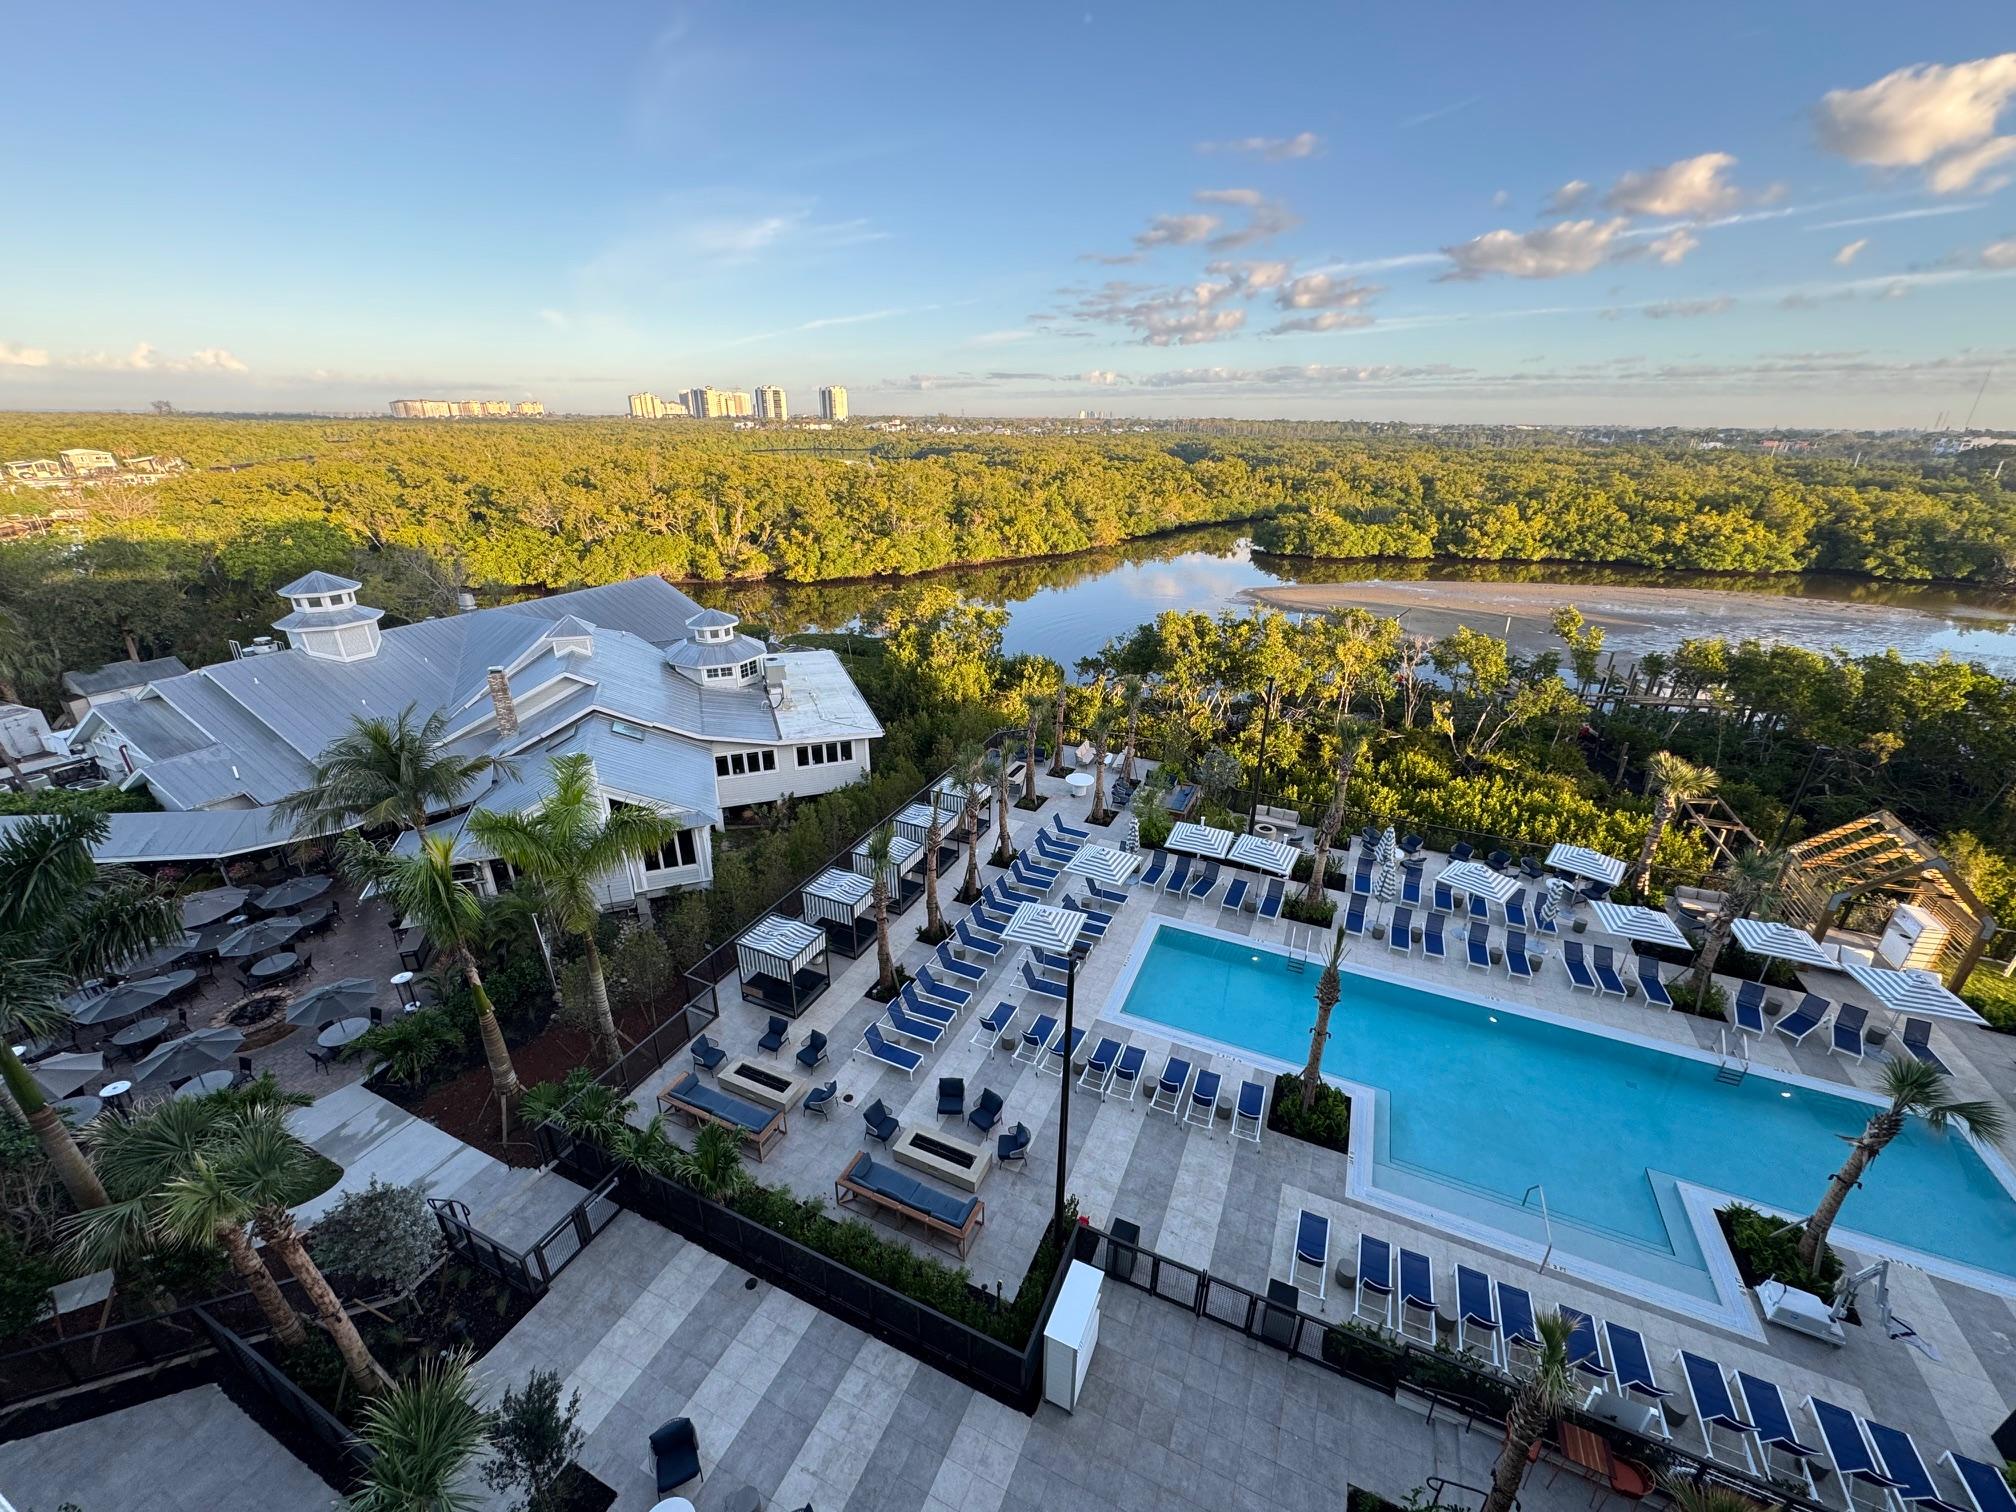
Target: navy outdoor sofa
(941,1213)
(689,1100)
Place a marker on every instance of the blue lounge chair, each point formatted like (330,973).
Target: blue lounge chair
(1049,960)
(776,1036)
(1038,879)
(1633,1364)
(1375,1281)
(1156,863)
(675,1454)
(1651,984)
(1099,1064)
(1059,1057)
(1585,1350)
(1105,894)
(994,1023)
(1849,1020)
(1206,881)
(1126,1073)
(1519,958)
(1203,1104)
(1354,916)
(1054,851)
(971,939)
(1410,884)
(1477,945)
(1095,926)
(1576,965)
(1042,986)
(1479,908)
(1069,831)
(1036,1038)
(951,1097)
(1312,1253)
(1433,945)
(1175,1079)
(1715,1408)
(1270,902)
(1012,898)
(1249,1112)
(1604,961)
(1983,1483)
(1515,1321)
(1443,899)
(918,1006)
(986,917)
(925,1032)
(875,1047)
(1771,1425)
(1498,860)
(1476,1317)
(813,1051)
(880,1121)
(1848,1450)
(1750,1007)
(1803,1020)
(820,1099)
(966,971)
(707,1056)
(1179,876)
(945,992)
(1012,1148)
(1515,911)
(1235,895)
(1400,931)
(1917,1041)
(987,1111)
(1361,877)
(1901,1461)
(1417,1294)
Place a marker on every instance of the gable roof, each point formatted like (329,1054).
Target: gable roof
(113,676)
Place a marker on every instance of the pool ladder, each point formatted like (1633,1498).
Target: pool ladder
(1734,1064)
(1296,940)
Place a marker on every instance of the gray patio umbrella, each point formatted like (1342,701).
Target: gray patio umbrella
(257,939)
(191,1055)
(60,1075)
(160,958)
(350,998)
(199,909)
(130,998)
(294,892)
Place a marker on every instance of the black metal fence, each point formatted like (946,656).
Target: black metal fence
(1450,1383)
(309,1429)
(530,1270)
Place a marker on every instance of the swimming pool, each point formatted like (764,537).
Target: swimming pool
(1480,1105)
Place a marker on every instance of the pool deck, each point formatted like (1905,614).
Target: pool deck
(1204,1198)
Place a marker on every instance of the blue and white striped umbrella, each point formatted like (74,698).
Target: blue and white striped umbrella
(1276,856)
(1053,929)
(1103,864)
(1472,877)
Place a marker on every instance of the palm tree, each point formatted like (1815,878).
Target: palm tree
(1673,782)
(137,1157)
(713,1167)
(1912,1087)
(1329,987)
(997,773)
(1101,732)
(1057,767)
(1031,725)
(1541,1397)
(1133,691)
(969,771)
(63,918)
(1707,1496)
(423,1434)
(934,836)
(1352,738)
(384,772)
(879,845)
(1752,881)
(566,849)
(424,888)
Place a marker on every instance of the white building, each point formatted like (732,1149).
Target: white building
(87,462)
(646,406)
(770,403)
(678,710)
(833,402)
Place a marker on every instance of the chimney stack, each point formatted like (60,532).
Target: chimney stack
(500,698)
(465,602)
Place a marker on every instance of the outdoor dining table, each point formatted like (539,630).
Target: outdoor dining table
(204,1085)
(342,1032)
(114,1092)
(275,967)
(139,1036)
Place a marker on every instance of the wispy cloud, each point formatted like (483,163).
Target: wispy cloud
(1274,149)
(825,322)
(1919,212)
(1410,122)
(12,354)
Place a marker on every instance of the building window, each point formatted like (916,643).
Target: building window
(820,755)
(748,669)
(743,763)
(683,849)
(715,674)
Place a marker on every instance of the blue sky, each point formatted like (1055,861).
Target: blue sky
(1788,214)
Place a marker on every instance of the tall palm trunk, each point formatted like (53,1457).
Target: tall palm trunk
(1880,1130)
(1524,1424)
(970,888)
(885,962)
(1099,780)
(1662,815)
(1057,767)
(1329,987)
(1326,834)
(503,1075)
(1029,757)
(276,1227)
(1004,843)
(1711,951)
(607,1044)
(934,920)
(51,1133)
(288,1329)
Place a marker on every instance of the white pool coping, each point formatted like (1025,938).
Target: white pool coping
(1731,1307)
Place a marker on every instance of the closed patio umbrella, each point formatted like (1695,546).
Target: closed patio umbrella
(201,908)
(191,1055)
(257,939)
(294,892)
(350,998)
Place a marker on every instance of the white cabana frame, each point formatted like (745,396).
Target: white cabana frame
(843,904)
(784,962)
(906,859)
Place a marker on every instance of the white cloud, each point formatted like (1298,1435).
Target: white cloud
(1102,378)
(1274,149)
(1246,198)
(1327,320)
(1968,169)
(1000,338)
(1252,276)
(15,355)
(1681,309)
(1181,316)
(557,319)
(1337,304)
(1501,198)
(1941,115)
(1567,198)
(1851,251)
(145,357)
(1300,375)
(1266,219)
(214,359)
(1919,213)
(1672,247)
(1551,252)
(1693,186)
(2001,254)
(1177,230)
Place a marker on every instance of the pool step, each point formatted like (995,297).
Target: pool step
(1734,1063)
(1731,1072)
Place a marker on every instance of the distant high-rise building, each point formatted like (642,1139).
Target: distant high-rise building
(833,402)
(646,406)
(710,403)
(462,409)
(528,407)
(770,403)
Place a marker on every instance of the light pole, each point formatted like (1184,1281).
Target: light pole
(1260,763)
(1778,840)
(1064,1097)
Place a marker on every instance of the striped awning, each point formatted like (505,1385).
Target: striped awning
(1274,856)
(842,896)
(1050,928)
(1103,864)
(1635,923)
(777,946)
(1910,991)
(914,823)
(955,792)
(904,853)
(1782,942)
(1199,839)
(1475,877)
(1583,862)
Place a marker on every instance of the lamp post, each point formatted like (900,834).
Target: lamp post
(1260,762)
(1064,1096)
(1778,840)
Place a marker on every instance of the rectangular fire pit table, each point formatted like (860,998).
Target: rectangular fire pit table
(953,1161)
(760,1084)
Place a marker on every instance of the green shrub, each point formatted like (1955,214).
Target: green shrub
(1296,907)
(410,1046)
(384,1233)
(1710,1003)
(1767,1249)
(1327,1123)
(25,1280)
(535,1437)
(1993,996)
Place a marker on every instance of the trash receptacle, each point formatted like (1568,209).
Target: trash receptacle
(1121,1250)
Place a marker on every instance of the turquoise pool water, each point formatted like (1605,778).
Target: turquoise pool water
(1479,1105)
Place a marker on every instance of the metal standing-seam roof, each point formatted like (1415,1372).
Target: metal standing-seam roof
(151,725)
(204,835)
(125,674)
